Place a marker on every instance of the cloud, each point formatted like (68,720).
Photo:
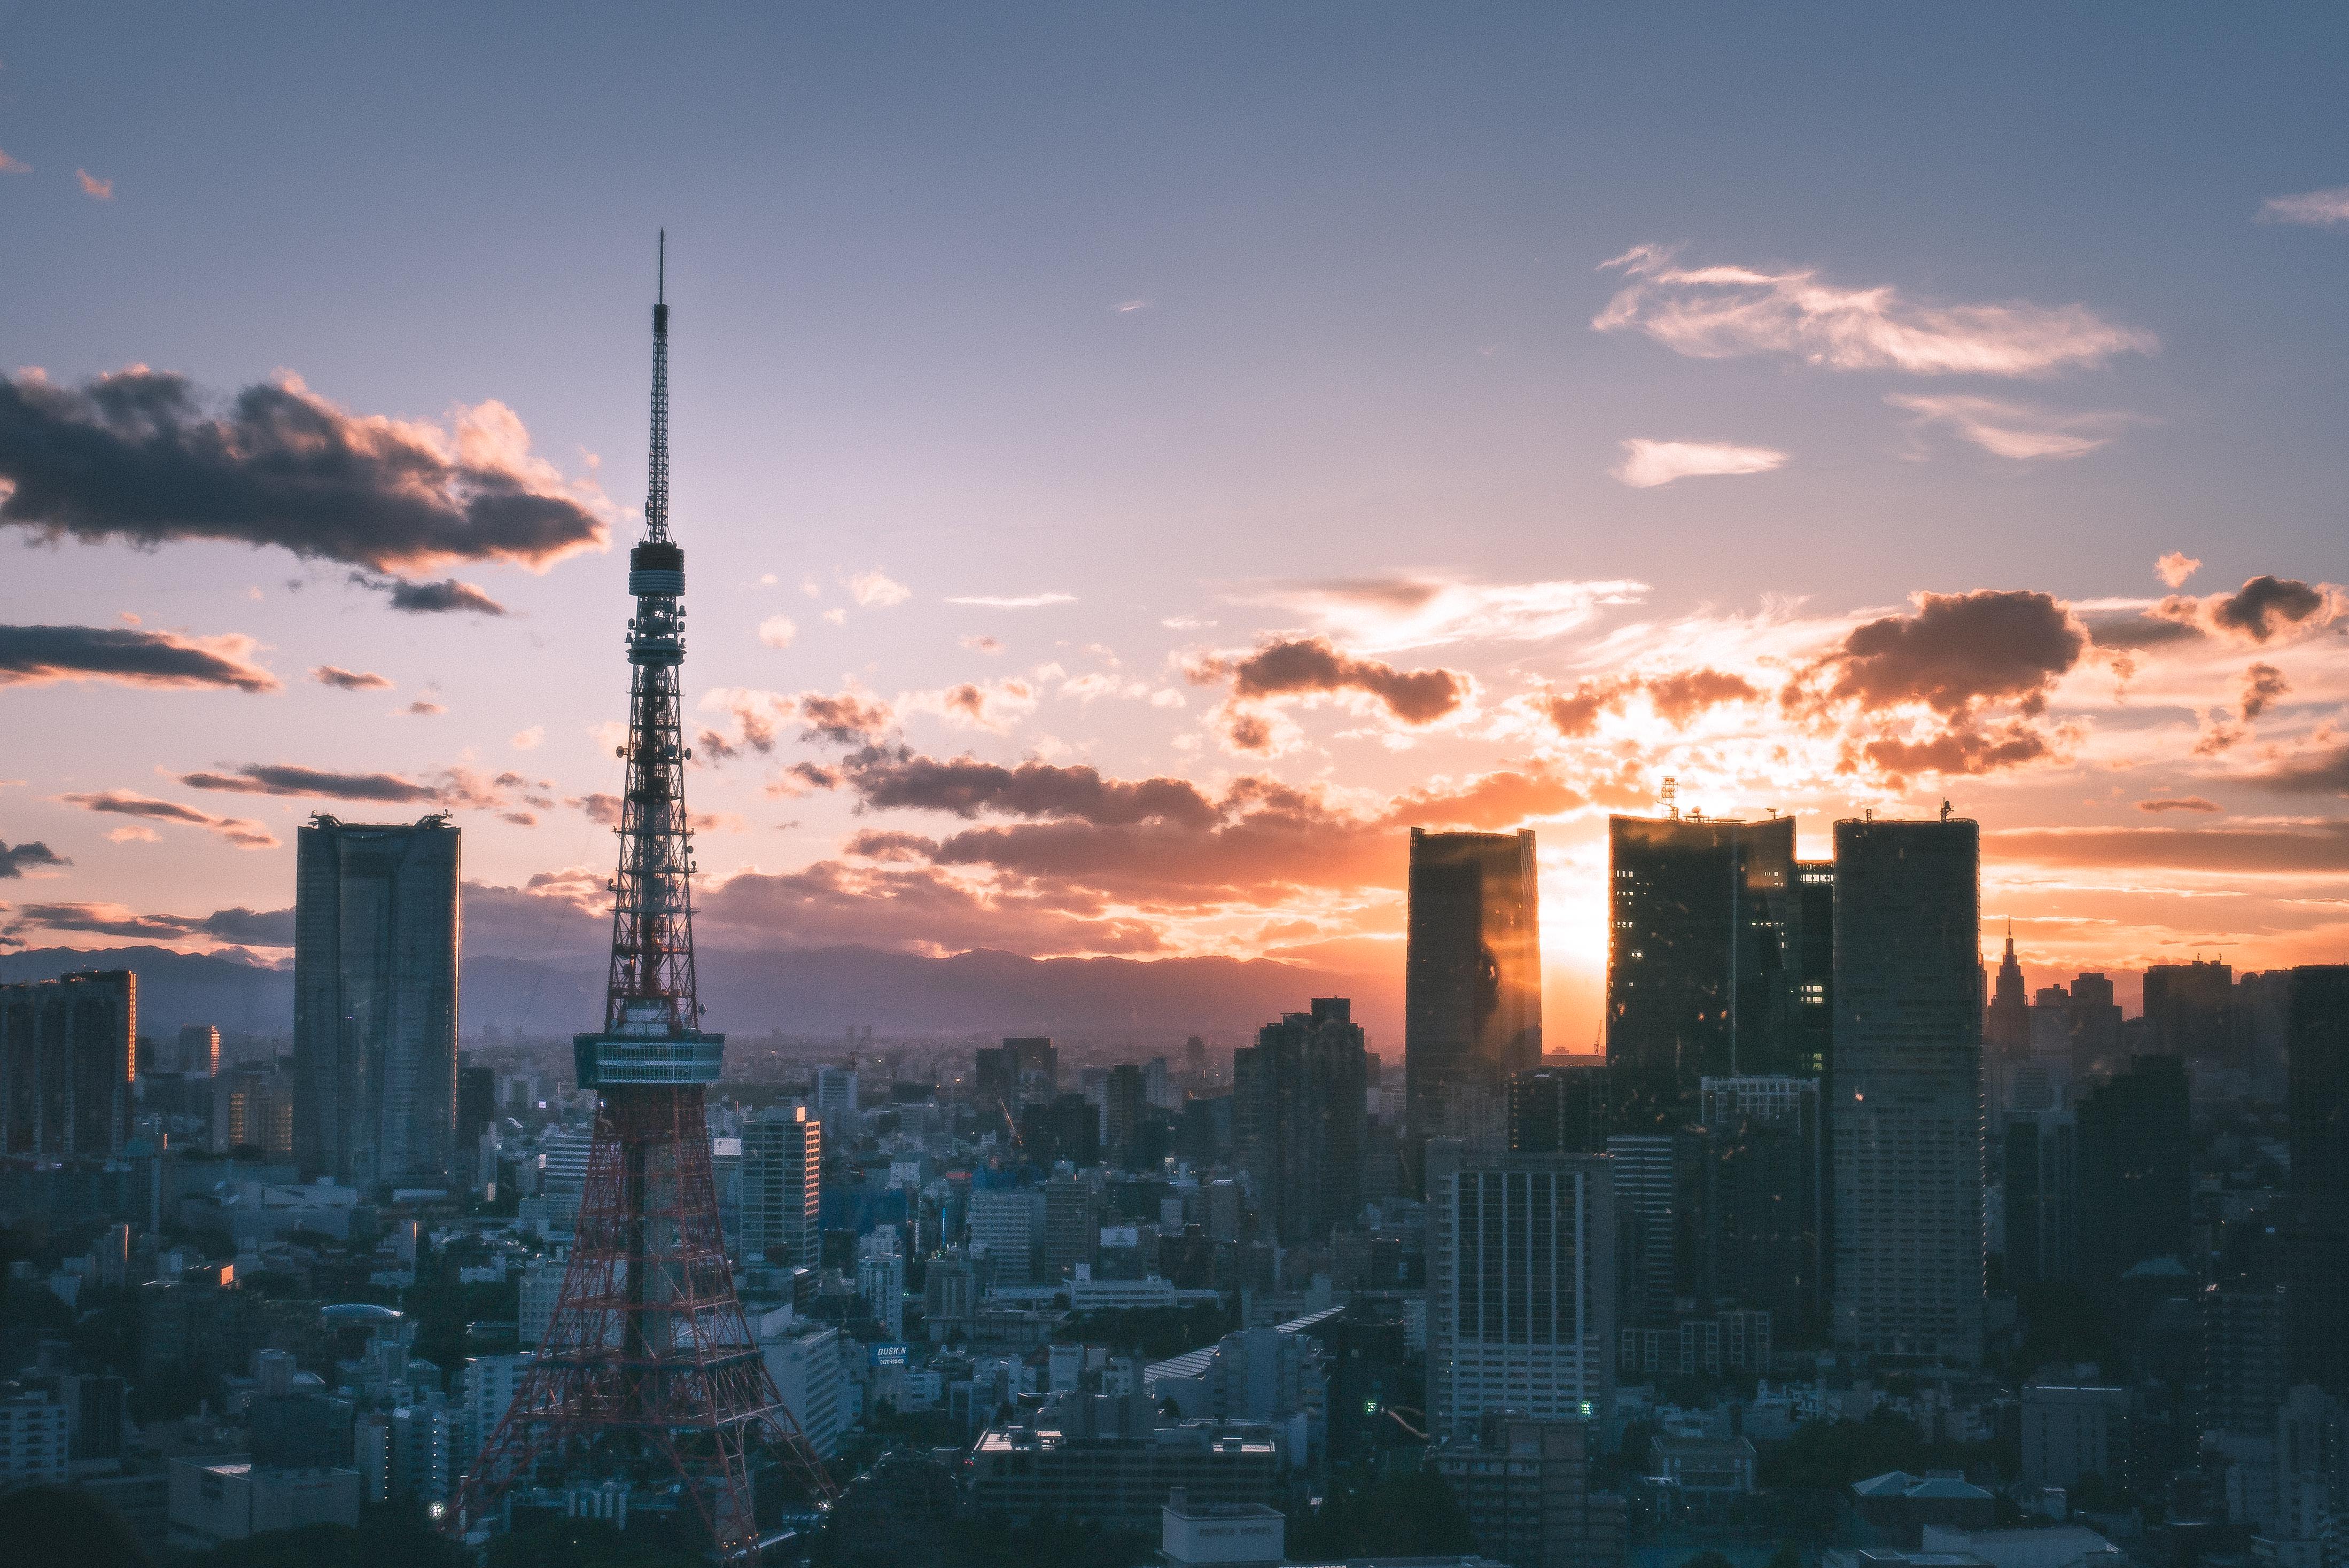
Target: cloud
(287,779)
(913,908)
(993,706)
(14,165)
(33,655)
(1677,697)
(983,644)
(349,680)
(2264,609)
(94,188)
(2316,850)
(1956,651)
(244,835)
(444,597)
(2323,769)
(1386,614)
(1647,464)
(965,786)
(233,927)
(1022,602)
(848,718)
(2264,606)
(2015,430)
(14,859)
(136,456)
(2175,567)
(1957,751)
(2180,803)
(1313,667)
(426,709)
(604,810)
(777,631)
(2320,208)
(874,591)
(2263,686)
(1719,311)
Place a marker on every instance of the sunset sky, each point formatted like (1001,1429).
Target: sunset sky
(1135,461)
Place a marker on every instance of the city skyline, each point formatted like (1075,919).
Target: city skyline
(1068,585)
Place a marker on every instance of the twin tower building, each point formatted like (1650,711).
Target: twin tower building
(1790,1103)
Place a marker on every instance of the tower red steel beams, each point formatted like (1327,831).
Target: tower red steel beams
(649,1373)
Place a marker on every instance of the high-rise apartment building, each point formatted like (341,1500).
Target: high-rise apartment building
(1560,1108)
(783,1185)
(1471,983)
(1814,949)
(1300,1122)
(1702,952)
(1762,1197)
(1007,1225)
(1655,1192)
(1072,1226)
(375,1001)
(1907,1114)
(1520,1286)
(67,1049)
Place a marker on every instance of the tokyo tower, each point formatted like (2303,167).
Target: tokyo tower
(649,1395)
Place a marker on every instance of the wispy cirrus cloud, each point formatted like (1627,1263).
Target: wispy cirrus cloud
(243,834)
(33,655)
(1014,602)
(1384,614)
(1722,311)
(1647,464)
(2319,209)
(2017,430)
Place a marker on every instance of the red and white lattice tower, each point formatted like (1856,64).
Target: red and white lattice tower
(649,1376)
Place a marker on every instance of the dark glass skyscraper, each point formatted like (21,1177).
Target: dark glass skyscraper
(1908,1097)
(375,1001)
(2316,1279)
(2135,1185)
(1702,961)
(1560,1108)
(2189,1008)
(1471,983)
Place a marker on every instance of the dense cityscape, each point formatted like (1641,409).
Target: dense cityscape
(1452,788)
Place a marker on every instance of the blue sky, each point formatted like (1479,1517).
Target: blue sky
(1183,311)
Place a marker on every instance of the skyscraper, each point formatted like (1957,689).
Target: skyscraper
(2136,1186)
(1702,955)
(2317,1278)
(1762,1196)
(66,1051)
(1298,1118)
(1471,983)
(1560,1108)
(1128,1092)
(1520,1286)
(375,1001)
(1023,1071)
(782,1172)
(2188,1009)
(1906,1116)
(2006,1025)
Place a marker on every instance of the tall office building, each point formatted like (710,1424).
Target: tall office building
(834,1097)
(1762,1196)
(1560,1108)
(1520,1287)
(1300,1122)
(2317,1278)
(1071,1227)
(2135,1184)
(1814,949)
(1703,946)
(2006,1023)
(1127,1094)
(2096,1026)
(783,1185)
(2188,1009)
(200,1050)
(2040,1155)
(68,1049)
(1655,1190)
(375,1002)
(1024,1070)
(1471,983)
(1907,1114)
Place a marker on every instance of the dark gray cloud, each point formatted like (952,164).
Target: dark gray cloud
(349,680)
(886,779)
(2264,687)
(244,835)
(31,654)
(287,779)
(431,598)
(1678,697)
(241,927)
(1311,666)
(2264,606)
(2178,803)
(137,456)
(1957,651)
(2321,772)
(14,859)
